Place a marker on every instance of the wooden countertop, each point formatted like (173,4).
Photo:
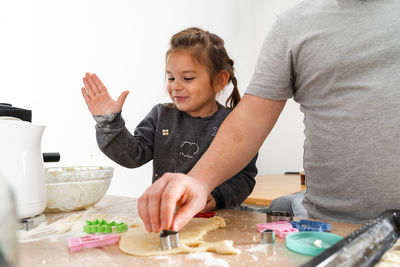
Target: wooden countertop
(271,186)
(240,228)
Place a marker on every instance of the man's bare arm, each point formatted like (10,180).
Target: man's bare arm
(238,139)
(236,143)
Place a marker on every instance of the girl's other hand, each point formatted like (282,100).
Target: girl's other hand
(97,98)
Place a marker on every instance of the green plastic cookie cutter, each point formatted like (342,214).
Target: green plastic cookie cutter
(103,227)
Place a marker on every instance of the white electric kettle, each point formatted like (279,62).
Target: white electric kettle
(21,164)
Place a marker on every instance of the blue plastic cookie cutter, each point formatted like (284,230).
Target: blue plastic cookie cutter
(308,225)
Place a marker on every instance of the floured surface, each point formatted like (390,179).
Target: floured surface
(137,241)
(69,226)
(240,227)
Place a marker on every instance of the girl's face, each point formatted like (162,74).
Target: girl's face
(189,85)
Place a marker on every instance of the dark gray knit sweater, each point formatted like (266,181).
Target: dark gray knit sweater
(174,141)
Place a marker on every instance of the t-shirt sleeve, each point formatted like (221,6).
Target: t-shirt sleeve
(274,76)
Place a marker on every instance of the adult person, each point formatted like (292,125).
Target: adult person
(340,59)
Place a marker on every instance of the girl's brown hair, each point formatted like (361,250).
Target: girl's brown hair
(208,49)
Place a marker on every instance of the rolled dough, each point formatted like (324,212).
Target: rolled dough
(137,241)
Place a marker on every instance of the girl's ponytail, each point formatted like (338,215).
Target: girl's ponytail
(234,97)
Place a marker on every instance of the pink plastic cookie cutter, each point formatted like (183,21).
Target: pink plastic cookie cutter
(281,228)
(91,241)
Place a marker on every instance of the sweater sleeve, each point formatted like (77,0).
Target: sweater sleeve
(128,150)
(234,191)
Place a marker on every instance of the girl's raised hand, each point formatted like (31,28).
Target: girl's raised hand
(97,98)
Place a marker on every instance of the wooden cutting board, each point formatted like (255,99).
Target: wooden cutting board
(271,186)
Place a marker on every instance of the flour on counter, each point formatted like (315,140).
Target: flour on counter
(168,260)
(68,226)
(257,248)
(208,258)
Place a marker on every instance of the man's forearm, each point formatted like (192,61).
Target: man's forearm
(238,140)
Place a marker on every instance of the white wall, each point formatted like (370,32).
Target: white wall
(47,46)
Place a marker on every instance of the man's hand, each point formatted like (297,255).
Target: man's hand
(157,205)
(210,205)
(97,98)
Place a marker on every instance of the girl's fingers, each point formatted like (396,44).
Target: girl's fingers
(85,96)
(87,75)
(121,98)
(100,86)
(88,87)
(92,83)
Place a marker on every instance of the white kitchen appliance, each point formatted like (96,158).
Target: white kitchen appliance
(21,160)
(22,165)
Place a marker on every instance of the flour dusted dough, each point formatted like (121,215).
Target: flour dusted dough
(137,241)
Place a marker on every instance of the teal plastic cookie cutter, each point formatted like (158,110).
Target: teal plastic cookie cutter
(311,243)
(103,227)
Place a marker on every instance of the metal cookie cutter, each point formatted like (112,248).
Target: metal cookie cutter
(281,228)
(169,239)
(277,216)
(267,236)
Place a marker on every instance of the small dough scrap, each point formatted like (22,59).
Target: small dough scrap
(137,241)
(318,243)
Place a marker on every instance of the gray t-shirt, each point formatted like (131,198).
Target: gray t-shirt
(340,60)
(175,142)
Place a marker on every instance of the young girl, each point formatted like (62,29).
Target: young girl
(175,135)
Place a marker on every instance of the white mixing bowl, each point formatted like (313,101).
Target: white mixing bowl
(76,188)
